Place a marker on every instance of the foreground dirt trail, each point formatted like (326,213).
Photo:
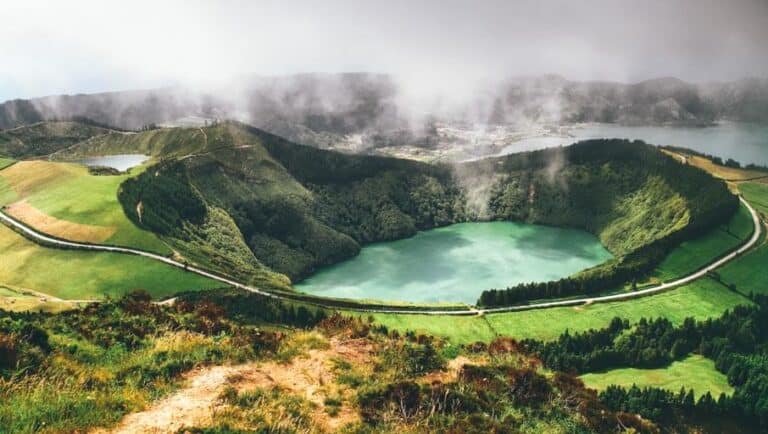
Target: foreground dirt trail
(198,400)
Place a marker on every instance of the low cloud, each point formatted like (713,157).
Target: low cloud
(440,51)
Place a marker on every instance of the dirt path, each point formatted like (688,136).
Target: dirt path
(192,405)
(197,401)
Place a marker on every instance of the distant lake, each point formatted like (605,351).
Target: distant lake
(121,162)
(456,263)
(745,143)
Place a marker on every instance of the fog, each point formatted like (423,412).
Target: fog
(439,51)
(438,80)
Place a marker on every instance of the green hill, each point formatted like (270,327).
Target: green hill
(298,208)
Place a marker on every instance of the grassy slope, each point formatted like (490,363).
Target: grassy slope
(748,274)
(724,172)
(166,141)
(694,254)
(72,274)
(694,372)
(756,194)
(5,162)
(7,194)
(702,299)
(459,329)
(69,192)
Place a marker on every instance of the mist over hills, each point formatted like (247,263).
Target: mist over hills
(372,110)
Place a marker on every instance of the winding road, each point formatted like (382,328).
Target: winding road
(42,238)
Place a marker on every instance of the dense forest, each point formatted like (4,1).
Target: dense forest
(299,208)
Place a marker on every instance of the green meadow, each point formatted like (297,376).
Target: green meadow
(5,162)
(756,194)
(691,255)
(79,275)
(694,372)
(702,299)
(749,274)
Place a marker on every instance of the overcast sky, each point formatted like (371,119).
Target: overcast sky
(87,46)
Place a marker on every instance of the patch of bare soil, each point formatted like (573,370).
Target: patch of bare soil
(196,403)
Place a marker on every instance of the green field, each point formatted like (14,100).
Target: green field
(69,192)
(77,275)
(756,194)
(5,162)
(691,255)
(7,195)
(459,329)
(695,372)
(749,273)
(702,299)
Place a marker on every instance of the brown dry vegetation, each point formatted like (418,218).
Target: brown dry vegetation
(27,177)
(724,172)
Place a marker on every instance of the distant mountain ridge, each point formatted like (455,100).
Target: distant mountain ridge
(318,109)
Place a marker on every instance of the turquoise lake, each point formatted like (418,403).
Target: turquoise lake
(456,263)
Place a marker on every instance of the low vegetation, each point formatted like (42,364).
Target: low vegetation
(120,357)
(116,358)
(86,368)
